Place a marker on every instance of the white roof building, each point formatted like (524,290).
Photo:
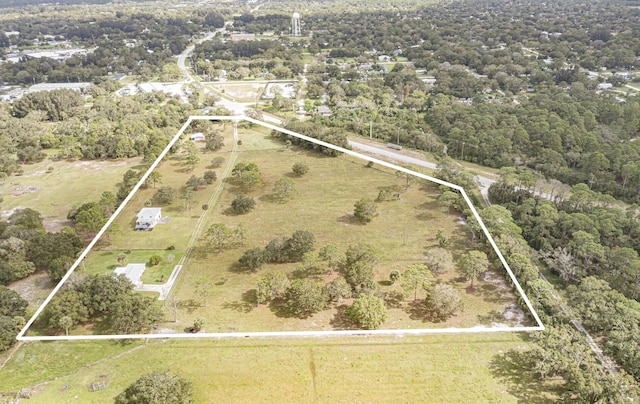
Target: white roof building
(133,272)
(148,218)
(57,86)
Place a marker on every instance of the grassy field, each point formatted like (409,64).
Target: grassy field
(453,368)
(403,230)
(436,368)
(34,188)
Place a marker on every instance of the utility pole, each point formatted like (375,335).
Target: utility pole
(462,157)
(370,129)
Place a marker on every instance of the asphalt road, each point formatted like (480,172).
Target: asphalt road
(483,182)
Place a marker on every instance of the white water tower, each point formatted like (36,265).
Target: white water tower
(295,25)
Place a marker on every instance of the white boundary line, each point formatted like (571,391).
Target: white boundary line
(540,327)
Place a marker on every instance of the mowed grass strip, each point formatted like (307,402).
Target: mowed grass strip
(438,368)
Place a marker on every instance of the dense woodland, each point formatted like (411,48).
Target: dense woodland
(513,85)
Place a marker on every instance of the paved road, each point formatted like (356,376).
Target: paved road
(182,58)
(483,182)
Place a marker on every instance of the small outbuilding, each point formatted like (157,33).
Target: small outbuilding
(148,218)
(133,272)
(197,137)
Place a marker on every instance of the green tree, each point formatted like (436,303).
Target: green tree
(198,323)
(217,162)
(157,388)
(218,236)
(359,275)
(165,195)
(26,218)
(442,239)
(89,222)
(155,178)
(252,259)
(300,243)
(215,141)
(154,260)
(272,285)
(195,183)
(331,255)
(285,189)
(394,276)
(365,210)
(443,301)
(122,259)
(11,303)
(250,180)
(368,311)
(59,267)
(65,322)
(338,289)
(134,313)
(191,161)
(243,204)
(305,297)
(203,289)
(103,292)
(439,260)
(448,199)
(210,176)
(473,264)
(416,277)
(68,303)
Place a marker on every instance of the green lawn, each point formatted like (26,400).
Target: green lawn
(104,262)
(445,368)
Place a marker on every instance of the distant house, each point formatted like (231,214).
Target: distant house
(133,272)
(148,218)
(324,110)
(605,86)
(197,137)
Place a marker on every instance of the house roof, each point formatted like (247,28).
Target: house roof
(153,212)
(133,272)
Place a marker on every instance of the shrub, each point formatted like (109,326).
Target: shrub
(155,260)
(300,168)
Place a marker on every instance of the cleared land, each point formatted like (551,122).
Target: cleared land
(451,368)
(53,187)
(403,231)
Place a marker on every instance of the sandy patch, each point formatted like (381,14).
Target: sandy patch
(494,278)
(55,225)
(515,314)
(23,190)
(34,174)
(34,288)
(6,213)
(97,165)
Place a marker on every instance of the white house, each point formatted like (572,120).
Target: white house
(148,218)
(133,272)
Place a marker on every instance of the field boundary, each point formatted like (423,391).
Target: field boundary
(236,119)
